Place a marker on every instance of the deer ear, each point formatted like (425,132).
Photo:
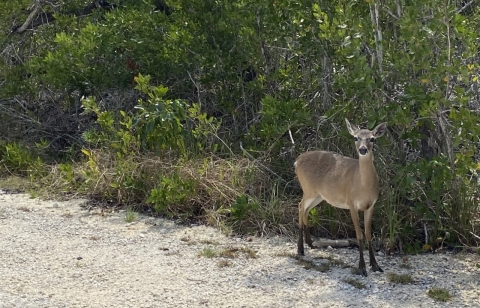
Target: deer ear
(352,128)
(380,130)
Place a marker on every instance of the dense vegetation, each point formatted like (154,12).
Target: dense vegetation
(198,108)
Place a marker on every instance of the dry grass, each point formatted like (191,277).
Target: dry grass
(338,262)
(234,252)
(188,241)
(224,263)
(249,253)
(209,242)
(357,284)
(15,184)
(400,278)
(67,214)
(229,252)
(310,264)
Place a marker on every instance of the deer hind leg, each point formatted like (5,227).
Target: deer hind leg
(368,234)
(304,207)
(308,236)
(356,222)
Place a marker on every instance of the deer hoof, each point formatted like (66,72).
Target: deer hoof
(376,268)
(362,271)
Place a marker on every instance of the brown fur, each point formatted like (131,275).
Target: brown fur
(343,182)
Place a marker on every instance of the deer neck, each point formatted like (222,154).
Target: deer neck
(368,173)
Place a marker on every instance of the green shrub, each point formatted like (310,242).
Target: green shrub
(171,194)
(17,159)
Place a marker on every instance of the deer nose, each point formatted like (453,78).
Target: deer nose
(363,151)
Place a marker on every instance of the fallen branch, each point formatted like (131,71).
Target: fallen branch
(336,243)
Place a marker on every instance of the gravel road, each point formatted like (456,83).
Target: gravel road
(57,254)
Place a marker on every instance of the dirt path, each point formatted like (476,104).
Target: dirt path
(56,254)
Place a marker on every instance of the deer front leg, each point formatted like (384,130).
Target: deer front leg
(368,234)
(356,222)
(300,248)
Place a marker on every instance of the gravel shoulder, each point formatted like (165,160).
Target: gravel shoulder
(57,254)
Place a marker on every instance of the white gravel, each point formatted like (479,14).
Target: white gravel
(56,254)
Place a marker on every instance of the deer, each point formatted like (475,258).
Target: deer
(343,182)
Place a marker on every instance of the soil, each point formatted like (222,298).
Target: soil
(59,254)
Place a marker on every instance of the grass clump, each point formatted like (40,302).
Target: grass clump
(310,264)
(400,278)
(353,282)
(130,215)
(338,262)
(207,252)
(249,252)
(229,252)
(439,294)
(233,252)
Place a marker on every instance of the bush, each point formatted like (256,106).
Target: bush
(278,78)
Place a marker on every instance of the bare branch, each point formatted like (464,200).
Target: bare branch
(36,7)
(465,6)
(399,9)
(262,166)
(391,13)
(375,16)
(38,17)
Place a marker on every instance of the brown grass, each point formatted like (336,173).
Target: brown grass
(400,278)
(310,264)
(357,284)
(224,263)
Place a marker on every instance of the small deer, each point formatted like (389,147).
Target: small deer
(343,182)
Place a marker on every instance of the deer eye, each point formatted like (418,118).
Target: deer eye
(372,139)
(355,138)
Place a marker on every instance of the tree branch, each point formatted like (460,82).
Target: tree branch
(465,6)
(37,18)
(37,6)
